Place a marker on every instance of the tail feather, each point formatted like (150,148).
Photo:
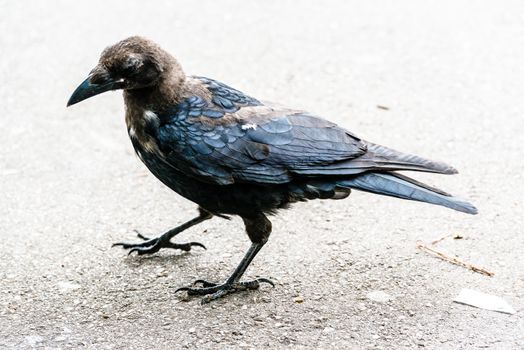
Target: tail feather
(385,158)
(377,158)
(400,186)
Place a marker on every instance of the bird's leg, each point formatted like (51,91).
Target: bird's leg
(150,246)
(258,228)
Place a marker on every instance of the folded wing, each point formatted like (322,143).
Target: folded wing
(233,138)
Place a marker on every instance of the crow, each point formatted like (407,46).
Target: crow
(233,154)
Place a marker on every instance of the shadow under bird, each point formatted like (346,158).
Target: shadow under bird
(235,155)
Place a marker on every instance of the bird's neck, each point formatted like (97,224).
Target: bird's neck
(167,92)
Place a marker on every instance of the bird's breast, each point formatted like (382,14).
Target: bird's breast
(141,127)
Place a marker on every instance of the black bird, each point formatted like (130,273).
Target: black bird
(235,155)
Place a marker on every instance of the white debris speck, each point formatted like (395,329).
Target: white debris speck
(328,330)
(65,286)
(379,296)
(249,126)
(484,301)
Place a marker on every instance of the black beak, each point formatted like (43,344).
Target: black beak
(88,89)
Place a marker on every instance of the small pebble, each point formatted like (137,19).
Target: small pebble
(379,296)
(298,300)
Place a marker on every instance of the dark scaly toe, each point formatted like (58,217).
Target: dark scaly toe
(254,284)
(147,242)
(235,287)
(201,290)
(213,291)
(151,246)
(141,250)
(216,295)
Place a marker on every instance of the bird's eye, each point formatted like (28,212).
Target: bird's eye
(131,65)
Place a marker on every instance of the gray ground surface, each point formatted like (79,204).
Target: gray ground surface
(452,76)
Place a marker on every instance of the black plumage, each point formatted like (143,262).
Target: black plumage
(235,155)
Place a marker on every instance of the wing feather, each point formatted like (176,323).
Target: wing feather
(231,137)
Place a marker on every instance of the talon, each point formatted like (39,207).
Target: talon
(205,283)
(141,236)
(132,251)
(182,289)
(197,244)
(266,280)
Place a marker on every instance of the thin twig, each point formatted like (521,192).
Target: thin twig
(440,239)
(453,260)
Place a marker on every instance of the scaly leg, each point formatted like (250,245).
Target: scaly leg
(150,246)
(258,228)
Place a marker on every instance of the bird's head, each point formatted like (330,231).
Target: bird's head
(131,64)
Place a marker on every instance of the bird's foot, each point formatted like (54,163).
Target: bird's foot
(153,245)
(213,291)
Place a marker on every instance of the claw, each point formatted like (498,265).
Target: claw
(205,283)
(266,280)
(182,289)
(197,244)
(141,236)
(142,251)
